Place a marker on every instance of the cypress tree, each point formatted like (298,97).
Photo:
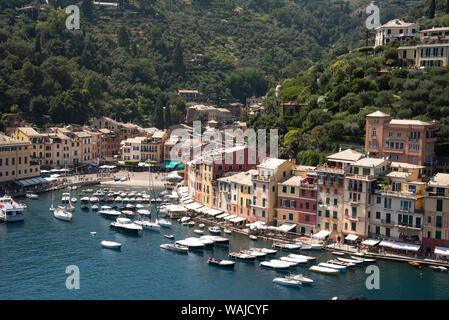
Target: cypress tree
(447,7)
(432,9)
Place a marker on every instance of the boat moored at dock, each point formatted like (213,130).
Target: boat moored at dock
(10,211)
(175,247)
(111,245)
(324,270)
(221,263)
(287,282)
(126,225)
(287,246)
(276,264)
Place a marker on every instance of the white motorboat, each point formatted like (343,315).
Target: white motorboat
(189,224)
(93,199)
(287,282)
(221,263)
(125,224)
(324,270)
(62,214)
(84,199)
(332,266)
(276,264)
(110,213)
(214,230)
(287,246)
(191,243)
(74,199)
(207,242)
(139,206)
(242,256)
(300,256)
(106,208)
(10,211)
(94,207)
(185,219)
(198,231)
(217,239)
(341,263)
(32,196)
(118,199)
(65,197)
(164,223)
(252,237)
(201,225)
(264,250)
(93,233)
(227,231)
(357,262)
(111,244)
(338,253)
(316,246)
(144,212)
(148,225)
(175,247)
(305,246)
(294,260)
(366,260)
(300,277)
(254,253)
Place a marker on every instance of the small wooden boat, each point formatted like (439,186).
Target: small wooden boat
(287,282)
(221,263)
(175,247)
(169,236)
(287,246)
(324,270)
(341,263)
(254,253)
(338,253)
(111,244)
(414,263)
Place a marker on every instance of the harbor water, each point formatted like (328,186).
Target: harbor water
(34,256)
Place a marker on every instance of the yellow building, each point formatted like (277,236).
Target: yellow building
(15,160)
(395,30)
(38,141)
(432,51)
(152,149)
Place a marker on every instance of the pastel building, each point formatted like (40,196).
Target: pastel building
(395,30)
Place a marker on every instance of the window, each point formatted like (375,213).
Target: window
(438,221)
(439,205)
(377,215)
(290,216)
(353,226)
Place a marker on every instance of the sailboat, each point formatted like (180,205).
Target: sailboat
(52,208)
(148,224)
(63,212)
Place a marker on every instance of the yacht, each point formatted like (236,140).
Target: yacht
(164,223)
(110,213)
(148,225)
(32,196)
(215,230)
(62,213)
(10,211)
(175,247)
(125,224)
(111,244)
(65,197)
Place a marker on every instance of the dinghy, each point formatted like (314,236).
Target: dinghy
(324,270)
(221,263)
(111,244)
(300,277)
(287,282)
(175,247)
(332,266)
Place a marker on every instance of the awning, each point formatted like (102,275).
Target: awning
(257,225)
(213,212)
(232,216)
(237,219)
(442,251)
(286,227)
(188,201)
(221,216)
(31,181)
(202,209)
(176,208)
(170,164)
(400,245)
(193,206)
(351,237)
(370,242)
(183,189)
(322,234)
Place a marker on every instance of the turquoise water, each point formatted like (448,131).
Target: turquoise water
(34,256)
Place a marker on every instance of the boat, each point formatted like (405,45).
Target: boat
(276,264)
(169,236)
(227,231)
(62,213)
(300,277)
(286,246)
(338,253)
(106,208)
(190,224)
(316,246)
(139,206)
(93,233)
(201,225)
(214,230)
(216,239)
(341,263)
(242,256)
(164,223)
(84,199)
(254,253)
(185,219)
(32,196)
(175,247)
(84,207)
(94,207)
(70,207)
(305,246)
(130,207)
(52,208)
(366,260)
(287,282)
(144,212)
(332,266)
(357,262)
(191,243)
(94,199)
(207,242)
(197,231)
(324,270)
(221,263)
(128,213)
(438,268)
(110,213)
(264,250)
(148,225)
(294,260)
(10,211)
(65,197)
(414,263)
(125,224)
(74,199)
(300,256)
(111,244)
(252,237)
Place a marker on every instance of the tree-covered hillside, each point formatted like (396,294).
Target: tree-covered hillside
(129,63)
